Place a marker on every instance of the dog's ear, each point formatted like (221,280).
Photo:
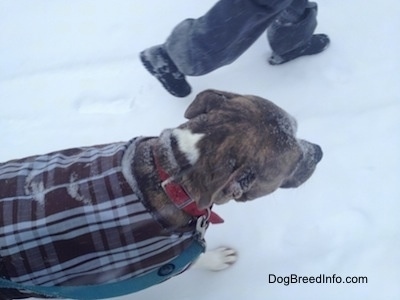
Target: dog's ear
(238,183)
(207,101)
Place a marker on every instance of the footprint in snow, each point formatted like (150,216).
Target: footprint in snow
(96,105)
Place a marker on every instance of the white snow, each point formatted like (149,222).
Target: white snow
(73,190)
(70,76)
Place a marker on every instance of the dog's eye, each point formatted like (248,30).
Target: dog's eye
(246,180)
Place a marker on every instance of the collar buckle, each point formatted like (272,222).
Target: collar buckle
(202,225)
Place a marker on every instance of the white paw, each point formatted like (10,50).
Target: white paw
(217,260)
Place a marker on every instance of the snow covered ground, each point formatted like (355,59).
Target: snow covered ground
(70,76)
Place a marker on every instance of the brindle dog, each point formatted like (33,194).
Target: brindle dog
(232,147)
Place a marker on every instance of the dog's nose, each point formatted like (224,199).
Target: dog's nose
(318,154)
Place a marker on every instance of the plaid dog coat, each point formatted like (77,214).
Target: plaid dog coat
(76,218)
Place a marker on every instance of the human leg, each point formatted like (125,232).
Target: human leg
(199,46)
(227,30)
(292,33)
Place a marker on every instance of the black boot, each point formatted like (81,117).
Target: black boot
(157,61)
(317,44)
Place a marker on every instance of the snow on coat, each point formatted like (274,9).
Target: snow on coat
(76,217)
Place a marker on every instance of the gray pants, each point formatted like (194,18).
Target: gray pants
(230,27)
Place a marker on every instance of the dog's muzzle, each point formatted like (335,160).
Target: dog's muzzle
(312,155)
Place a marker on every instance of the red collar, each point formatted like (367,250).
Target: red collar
(180,197)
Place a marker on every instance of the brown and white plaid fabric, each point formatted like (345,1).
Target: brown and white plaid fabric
(75,217)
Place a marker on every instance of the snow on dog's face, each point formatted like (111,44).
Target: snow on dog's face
(241,148)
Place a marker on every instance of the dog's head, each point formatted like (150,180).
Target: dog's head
(240,147)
